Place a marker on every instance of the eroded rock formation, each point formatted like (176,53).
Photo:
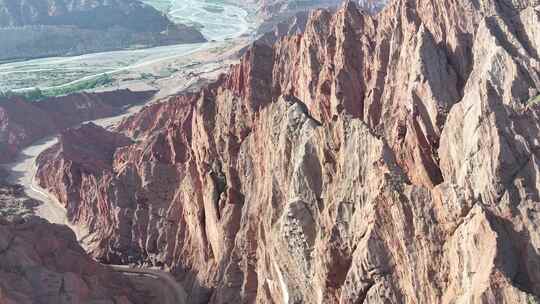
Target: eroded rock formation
(386,159)
(23,122)
(43,263)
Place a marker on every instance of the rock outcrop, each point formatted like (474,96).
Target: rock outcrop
(85,152)
(14,204)
(43,263)
(385,159)
(23,122)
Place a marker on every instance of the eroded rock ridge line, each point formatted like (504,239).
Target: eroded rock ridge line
(372,159)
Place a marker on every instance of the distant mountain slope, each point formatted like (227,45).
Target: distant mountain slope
(372,6)
(274,12)
(23,122)
(96,14)
(34,28)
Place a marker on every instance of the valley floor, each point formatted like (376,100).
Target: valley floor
(225,26)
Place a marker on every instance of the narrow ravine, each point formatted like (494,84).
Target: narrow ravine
(23,172)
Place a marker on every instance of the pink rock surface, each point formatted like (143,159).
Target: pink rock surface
(385,159)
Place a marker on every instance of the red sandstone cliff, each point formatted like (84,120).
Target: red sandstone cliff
(386,159)
(23,122)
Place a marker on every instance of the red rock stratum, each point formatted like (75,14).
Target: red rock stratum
(385,159)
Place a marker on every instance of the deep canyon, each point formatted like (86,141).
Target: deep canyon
(367,156)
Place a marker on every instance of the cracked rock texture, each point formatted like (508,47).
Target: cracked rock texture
(43,263)
(372,159)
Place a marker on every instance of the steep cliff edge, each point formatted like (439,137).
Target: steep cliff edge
(386,159)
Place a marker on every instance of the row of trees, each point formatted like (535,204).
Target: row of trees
(33,94)
(37,94)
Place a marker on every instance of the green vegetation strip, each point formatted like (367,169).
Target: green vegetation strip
(38,94)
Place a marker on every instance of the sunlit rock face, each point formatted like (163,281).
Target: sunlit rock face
(372,159)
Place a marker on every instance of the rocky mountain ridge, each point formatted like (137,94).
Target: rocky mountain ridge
(22,122)
(278,12)
(371,159)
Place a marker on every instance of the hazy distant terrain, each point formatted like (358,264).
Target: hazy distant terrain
(38,28)
(372,6)
(274,11)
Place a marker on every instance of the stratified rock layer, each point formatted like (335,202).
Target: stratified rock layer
(386,159)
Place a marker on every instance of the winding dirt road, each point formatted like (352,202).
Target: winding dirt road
(23,172)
